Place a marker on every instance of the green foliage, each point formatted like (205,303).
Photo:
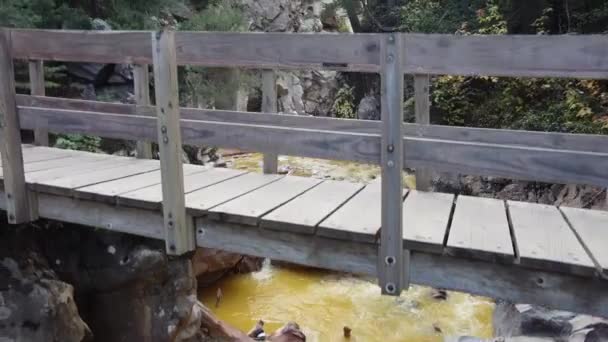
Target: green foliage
(522,103)
(343,106)
(218,17)
(214,87)
(78,142)
(53,14)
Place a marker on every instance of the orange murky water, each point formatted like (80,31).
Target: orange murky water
(322,303)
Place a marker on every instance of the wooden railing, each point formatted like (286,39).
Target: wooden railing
(538,156)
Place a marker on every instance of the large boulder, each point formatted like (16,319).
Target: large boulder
(211,264)
(369,108)
(35,305)
(530,323)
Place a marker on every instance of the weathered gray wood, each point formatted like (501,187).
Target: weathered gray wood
(512,161)
(258,50)
(67,184)
(151,197)
(423,117)
(393,262)
(248,209)
(579,56)
(83,46)
(179,230)
(36,72)
(426,215)
(305,212)
(80,166)
(552,140)
(506,282)
(17,198)
(141,89)
(590,226)
(125,220)
(480,229)
(358,219)
(108,190)
(200,201)
(545,240)
(269,105)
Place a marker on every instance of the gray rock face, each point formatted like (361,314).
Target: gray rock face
(127,289)
(522,322)
(35,305)
(369,108)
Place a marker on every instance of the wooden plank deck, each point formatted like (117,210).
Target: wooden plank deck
(311,221)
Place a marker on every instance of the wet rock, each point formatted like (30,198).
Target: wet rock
(528,320)
(290,332)
(439,294)
(209,264)
(35,305)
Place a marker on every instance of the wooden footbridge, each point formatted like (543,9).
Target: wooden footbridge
(512,250)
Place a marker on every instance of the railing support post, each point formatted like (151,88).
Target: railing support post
(269,105)
(179,227)
(423,117)
(36,71)
(393,261)
(141,90)
(18,206)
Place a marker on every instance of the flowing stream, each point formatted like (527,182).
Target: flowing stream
(322,303)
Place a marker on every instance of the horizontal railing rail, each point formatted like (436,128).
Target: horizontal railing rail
(537,156)
(579,56)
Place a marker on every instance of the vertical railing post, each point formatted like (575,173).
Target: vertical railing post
(423,117)
(393,261)
(179,228)
(269,105)
(36,71)
(17,198)
(141,90)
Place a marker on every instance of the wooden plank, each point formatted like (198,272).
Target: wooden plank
(358,219)
(200,201)
(590,226)
(353,52)
(83,46)
(108,191)
(249,208)
(151,197)
(17,198)
(80,166)
(269,105)
(553,140)
(580,56)
(347,52)
(393,262)
(67,184)
(506,282)
(305,212)
(36,73)
(480,230)
(180,235)
(545,240)
(141,90)
(426,215)
(99,215)
(423,117)
(511,161)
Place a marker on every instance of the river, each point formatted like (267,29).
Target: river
(322,303)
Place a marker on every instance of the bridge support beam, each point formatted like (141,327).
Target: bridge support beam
(269,105)
(141,90)
(423,117)
(36,72)
(393,261)
(18,204)
(178,226)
